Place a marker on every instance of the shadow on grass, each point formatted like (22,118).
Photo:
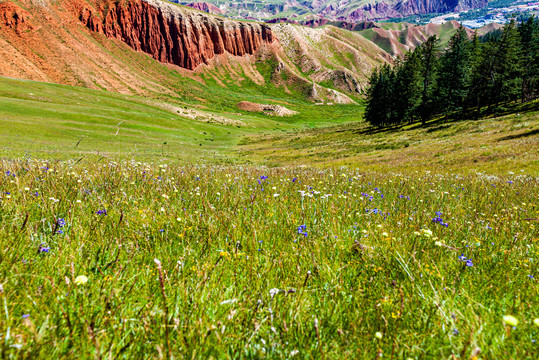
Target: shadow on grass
(444,122)
(521,135)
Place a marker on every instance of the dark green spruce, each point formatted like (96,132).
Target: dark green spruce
(469,75)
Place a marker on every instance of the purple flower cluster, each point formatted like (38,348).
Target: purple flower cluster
(438,219)
(370,197)
(101,212)
(302,229)
(61,223)
(468,262)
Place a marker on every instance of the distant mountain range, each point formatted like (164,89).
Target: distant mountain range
(335,10)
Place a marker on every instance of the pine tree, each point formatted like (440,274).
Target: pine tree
(509,71)
(380,109)
(480,68)
(429,59)
(454,73)
(408,87)
(529,40)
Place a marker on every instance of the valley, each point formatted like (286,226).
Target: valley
(266,180)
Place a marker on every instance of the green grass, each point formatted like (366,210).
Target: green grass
(511,141)
(70,122)
(235,278)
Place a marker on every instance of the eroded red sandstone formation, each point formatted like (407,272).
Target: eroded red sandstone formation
(172,34)
(14,17)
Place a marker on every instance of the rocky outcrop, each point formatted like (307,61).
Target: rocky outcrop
(14,17)
(206,7)
(173,34)
(272,110)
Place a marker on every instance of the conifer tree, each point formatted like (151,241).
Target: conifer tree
(529,39)
(380,109)
(509,71)
(479,70)
(429,59)
(408,87)
(454,73)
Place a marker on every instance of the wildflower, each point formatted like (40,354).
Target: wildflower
(274,292)
(25,316)
(510,320)
(43,249)
(81,280)
(101,212)
(378,335)
(302,229)
(455,332)
(426,233)
(536,321)
(469,263)
(438,220)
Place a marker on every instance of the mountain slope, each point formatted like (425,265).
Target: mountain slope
(91,43)
(397,40)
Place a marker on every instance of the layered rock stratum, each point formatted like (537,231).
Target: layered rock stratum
(171,34)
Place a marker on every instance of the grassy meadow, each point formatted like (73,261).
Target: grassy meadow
(132,228)
(134,260)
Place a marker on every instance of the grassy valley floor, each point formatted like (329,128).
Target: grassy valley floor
(132,228)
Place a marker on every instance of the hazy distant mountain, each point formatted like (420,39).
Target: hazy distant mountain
(341,10)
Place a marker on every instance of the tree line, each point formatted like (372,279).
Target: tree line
(463,79)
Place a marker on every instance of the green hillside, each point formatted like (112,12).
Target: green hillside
(56,121)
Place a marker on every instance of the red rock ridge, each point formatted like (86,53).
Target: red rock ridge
(173,34)
(14,17)
(204,6)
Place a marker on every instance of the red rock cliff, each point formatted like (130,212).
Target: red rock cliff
(173,34)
